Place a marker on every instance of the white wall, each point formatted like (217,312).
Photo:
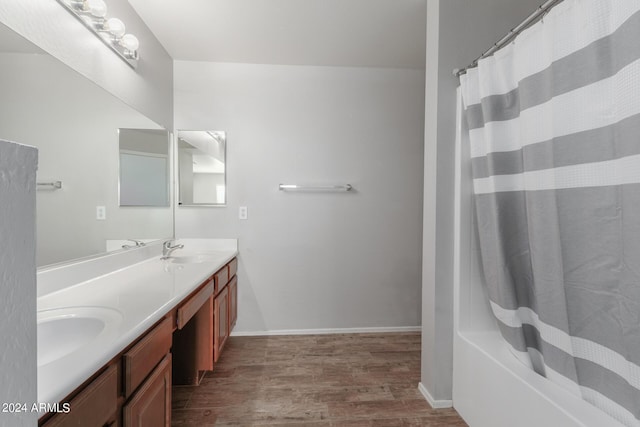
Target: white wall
(314,261)
(74,124)
(148,89)
(18,285)
(458,31)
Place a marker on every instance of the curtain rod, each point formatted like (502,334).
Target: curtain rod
(539,13)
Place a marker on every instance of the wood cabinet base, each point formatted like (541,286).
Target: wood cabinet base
(151,404)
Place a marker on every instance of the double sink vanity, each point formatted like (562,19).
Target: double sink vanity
(116,332)
(116,329)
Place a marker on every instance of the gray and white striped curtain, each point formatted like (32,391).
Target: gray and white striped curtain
(554,128)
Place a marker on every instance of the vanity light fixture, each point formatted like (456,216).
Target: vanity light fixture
(112,31)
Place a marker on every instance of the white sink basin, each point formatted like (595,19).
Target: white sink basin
(192,259)
(64,331)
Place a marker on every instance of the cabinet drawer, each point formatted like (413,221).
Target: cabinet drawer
(151,404)
(233,267)
(221,278)
(145,355)
(193,304)
(95,405)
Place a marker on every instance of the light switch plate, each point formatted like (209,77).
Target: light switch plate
(101,213)
(243,212)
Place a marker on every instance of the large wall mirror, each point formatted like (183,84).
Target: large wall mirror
(74,124)
(201,168)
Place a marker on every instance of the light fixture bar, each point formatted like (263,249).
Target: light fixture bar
(296,187)
(92,14)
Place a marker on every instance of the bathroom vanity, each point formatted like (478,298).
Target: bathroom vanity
(119,341)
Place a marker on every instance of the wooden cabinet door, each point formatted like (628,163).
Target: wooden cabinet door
(95,405)
(221,322)
(233,303)
(150,406)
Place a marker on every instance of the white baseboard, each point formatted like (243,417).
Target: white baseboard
(327,331)
(435,404)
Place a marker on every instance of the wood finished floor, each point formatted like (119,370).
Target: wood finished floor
(348,380)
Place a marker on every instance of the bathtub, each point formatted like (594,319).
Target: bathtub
(491,387)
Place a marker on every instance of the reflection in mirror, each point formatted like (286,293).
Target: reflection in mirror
(74,124)
(144,167)
(201,168)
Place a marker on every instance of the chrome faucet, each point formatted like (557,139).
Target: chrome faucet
(137,244)
(167,249)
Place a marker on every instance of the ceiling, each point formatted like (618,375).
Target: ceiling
(352,33)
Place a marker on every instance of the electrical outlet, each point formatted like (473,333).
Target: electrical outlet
(243,213)
(101,213)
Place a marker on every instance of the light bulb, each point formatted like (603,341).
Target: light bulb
(130,42)
(115,27)
(97,8)
(76,4)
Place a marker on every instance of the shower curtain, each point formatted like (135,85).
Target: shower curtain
(554,131)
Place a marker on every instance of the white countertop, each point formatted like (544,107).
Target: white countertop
(138,295)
